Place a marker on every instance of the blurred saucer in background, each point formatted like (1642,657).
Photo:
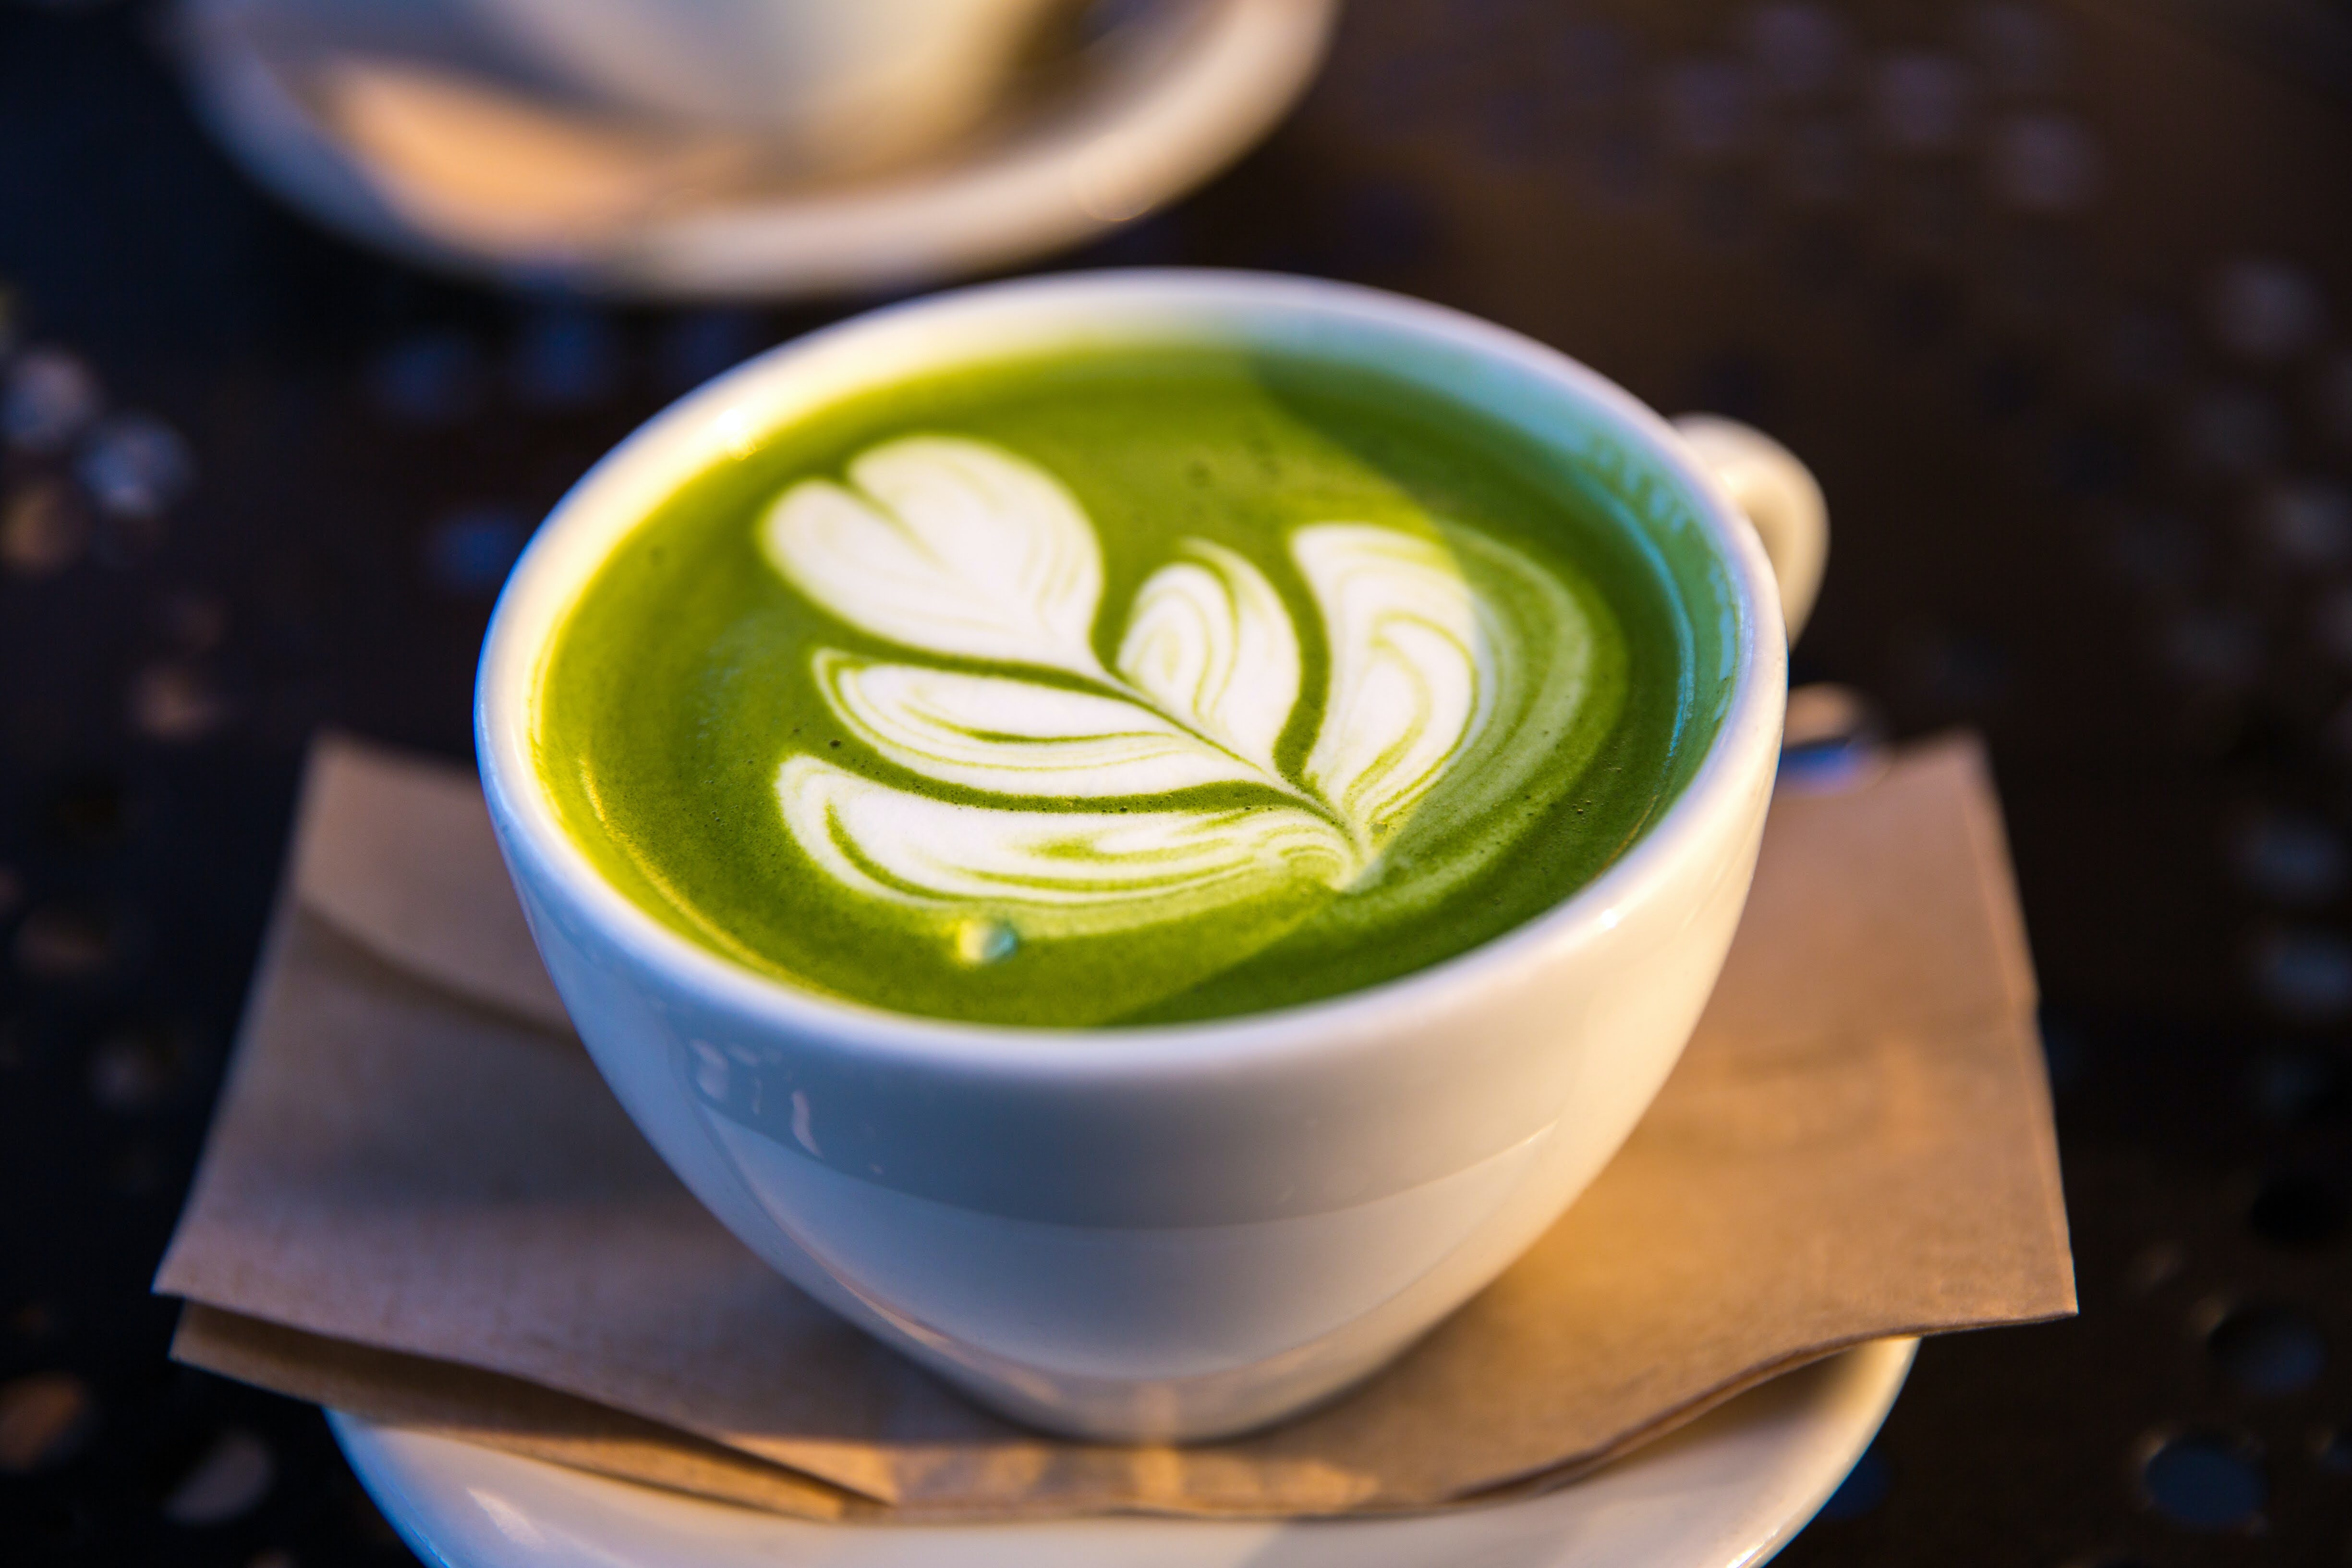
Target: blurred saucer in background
(469,164)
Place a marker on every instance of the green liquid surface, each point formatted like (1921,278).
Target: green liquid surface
(796,768)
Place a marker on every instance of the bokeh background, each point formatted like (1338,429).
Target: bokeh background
(2055,296)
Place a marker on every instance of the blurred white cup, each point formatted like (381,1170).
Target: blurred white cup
(833,83)
(850,81)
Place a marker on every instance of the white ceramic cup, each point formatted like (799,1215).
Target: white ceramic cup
(1185,1230)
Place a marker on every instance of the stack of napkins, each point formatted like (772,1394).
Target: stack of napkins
(420,1202)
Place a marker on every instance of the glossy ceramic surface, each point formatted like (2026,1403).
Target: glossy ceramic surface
(1726,1492)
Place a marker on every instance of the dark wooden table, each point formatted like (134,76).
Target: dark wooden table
(2056,296)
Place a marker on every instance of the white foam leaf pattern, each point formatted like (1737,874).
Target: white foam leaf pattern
(1064,872)
(968,553)
(1412,657)
(1208,639)
(1019,737)
(949,545)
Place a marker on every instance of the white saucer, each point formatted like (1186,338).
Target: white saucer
(1727,1492)
(456,171)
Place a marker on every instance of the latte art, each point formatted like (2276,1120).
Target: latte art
(963,551)
(1118,686)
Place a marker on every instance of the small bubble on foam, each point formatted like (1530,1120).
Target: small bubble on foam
(978,942)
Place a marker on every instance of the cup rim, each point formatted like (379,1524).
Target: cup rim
(701,427)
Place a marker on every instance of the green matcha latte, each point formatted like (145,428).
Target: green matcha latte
(1121,685)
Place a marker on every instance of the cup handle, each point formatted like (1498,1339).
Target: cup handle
(1781,498)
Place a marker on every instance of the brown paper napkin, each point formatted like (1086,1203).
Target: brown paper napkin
(420,1202)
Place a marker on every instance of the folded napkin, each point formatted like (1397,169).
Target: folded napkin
(420,1202)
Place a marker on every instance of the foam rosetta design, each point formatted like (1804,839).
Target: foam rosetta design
(1443,651)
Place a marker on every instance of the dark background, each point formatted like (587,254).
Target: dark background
(2055,296)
